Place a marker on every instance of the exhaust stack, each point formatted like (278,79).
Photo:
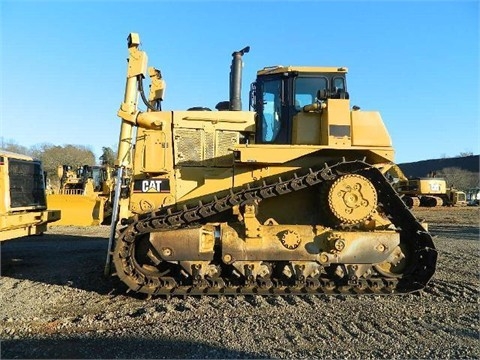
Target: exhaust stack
(236,79)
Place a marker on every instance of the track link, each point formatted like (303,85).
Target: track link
(411,232)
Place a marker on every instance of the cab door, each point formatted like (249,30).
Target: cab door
(274,118)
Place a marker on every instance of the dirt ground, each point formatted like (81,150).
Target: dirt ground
(56,303)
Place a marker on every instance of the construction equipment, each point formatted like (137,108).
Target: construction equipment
(23,207)
(456,197)
(84,195)
(473,196)
(291,198)
(429,192)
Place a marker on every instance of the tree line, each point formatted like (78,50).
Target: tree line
(52,156)
(459,178)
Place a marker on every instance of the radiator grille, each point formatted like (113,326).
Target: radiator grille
(209,148)
(225,140)
(197,147)
(27,187)
(188,146)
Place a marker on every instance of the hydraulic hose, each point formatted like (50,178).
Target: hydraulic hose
(142,94)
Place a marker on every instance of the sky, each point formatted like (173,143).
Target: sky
(63,63)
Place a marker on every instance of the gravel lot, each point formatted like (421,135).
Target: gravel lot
(55,303)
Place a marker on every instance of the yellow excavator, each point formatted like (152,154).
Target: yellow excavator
(429,192)
(84,195)
(290,197)
(23,206)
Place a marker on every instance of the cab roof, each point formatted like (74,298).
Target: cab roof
(278,69)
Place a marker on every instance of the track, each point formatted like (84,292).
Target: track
(420,246)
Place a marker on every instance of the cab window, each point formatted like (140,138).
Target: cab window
(338,84)
(306,89)
(271,123)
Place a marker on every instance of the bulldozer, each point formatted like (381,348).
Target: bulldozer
(23,206)
(290,197)
(429,192)
(84,195)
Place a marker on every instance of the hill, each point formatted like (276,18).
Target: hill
(424,167)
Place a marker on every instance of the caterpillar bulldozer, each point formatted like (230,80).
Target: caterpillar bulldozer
(84,195)
(23,206)
(429,192)
(290,197)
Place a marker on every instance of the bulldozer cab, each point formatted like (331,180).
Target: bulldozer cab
(285,98)
(82,178)
(99,175)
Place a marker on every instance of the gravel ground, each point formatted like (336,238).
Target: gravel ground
(55,303)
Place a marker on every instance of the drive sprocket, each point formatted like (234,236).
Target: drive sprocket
(352,198)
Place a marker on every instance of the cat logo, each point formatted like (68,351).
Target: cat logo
(151,185)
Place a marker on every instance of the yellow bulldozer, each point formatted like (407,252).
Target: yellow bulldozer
(429,192)
(23,206)
(84,195)
(290,197)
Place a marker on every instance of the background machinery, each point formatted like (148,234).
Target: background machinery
(23,207)
(84,195)
(290,198)
(429,192)
(473,196)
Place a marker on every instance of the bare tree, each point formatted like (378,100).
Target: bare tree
(15,148)
(459,178)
